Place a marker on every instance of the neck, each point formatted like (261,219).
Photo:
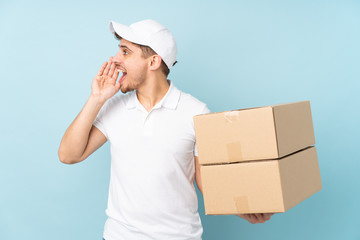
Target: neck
(152,91)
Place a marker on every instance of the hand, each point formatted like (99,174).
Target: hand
(256,217)
(104,85)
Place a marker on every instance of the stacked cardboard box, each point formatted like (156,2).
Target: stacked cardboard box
(258,160)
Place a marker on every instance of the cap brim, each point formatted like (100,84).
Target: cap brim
(125,32)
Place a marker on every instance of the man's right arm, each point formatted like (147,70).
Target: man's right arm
(82,138)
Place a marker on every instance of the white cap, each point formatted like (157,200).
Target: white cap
(149,33)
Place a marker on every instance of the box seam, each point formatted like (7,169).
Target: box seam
(282,188)
(276,133)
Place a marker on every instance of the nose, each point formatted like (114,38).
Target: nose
(117,58)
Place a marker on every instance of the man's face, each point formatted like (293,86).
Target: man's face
(130,60)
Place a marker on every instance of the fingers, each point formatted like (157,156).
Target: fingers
(263,217)
(108,68)
(106,71)
(109,64)
(114,75)
(267,216)
(254,218)
(257,218)
(101,71)
(251,218)
(117,86)
(112,69)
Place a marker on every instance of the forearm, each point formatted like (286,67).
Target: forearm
(199,185)
(76,137)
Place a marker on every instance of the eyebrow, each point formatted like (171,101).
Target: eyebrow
(124,46)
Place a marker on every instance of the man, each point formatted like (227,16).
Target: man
(153,151)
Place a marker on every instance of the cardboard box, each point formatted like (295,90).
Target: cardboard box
(254,134)
(260,186)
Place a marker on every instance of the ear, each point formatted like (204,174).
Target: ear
(155,62)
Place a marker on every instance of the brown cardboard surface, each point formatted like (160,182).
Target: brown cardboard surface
(300,176)
(253,134)
(294,127)
(260,186)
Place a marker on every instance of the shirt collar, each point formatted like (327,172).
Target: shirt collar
(170,100)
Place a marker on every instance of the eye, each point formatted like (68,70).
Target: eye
(125,52)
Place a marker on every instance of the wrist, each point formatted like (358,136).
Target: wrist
(97,99)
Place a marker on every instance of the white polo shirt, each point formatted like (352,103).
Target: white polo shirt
(151,191)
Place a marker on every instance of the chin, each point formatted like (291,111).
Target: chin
(130,86)
(125,89)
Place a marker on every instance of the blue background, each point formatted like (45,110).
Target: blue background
(232,54)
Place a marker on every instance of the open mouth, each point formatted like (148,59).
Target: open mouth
(122,78)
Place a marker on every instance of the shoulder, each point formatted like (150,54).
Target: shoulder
(192,104)
(117,101)
(121,98)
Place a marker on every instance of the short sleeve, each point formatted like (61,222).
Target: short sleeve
(195,150)
(99,120)
(204,111)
